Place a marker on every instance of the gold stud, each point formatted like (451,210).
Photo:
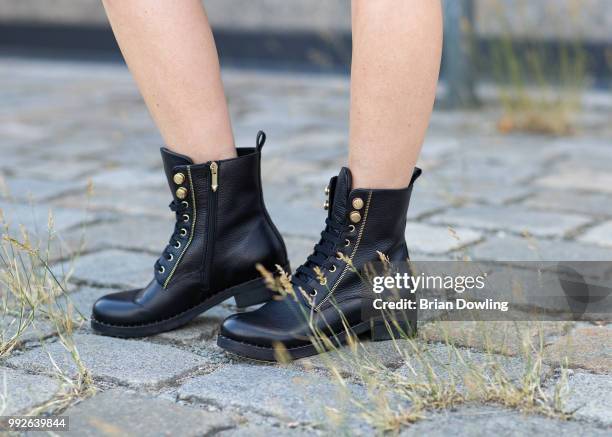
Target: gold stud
(181,192)
(179,178)
(357,203)
(326,205)
(355,217)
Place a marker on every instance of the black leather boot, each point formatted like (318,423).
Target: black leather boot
(360,223)
(222,231)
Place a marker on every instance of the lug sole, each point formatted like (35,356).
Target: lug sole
(246,294)
(379,331)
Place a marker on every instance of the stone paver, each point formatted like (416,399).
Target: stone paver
(463,369)
(592,153)
(35,217)
(460,189)
(298,249)
(266,431)
(497,166)
(589,397)
(19,131)
(36,190)
(23,330)
(116,412)
(513,218)
(82,299)
(204,327)
(487,421)
(299,219)
(600,235)
(424,204)
(567,201)
(446,362)
(502,337)
(131,233)
(512,248)
(290,395)
(71,171)
(584,178)
(131,362)
(148,202)
(117,268)
(586,347)
(483,178)
(439,239)
(350,362)
(23,391)
(129,179)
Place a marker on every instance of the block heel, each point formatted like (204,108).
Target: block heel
(382,331)
(252,293)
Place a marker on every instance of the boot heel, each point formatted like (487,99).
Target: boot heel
(381,331)
(252,293)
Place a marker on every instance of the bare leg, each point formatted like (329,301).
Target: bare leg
(396,59)
(169,48)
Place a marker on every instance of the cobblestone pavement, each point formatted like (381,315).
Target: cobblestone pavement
(483,195)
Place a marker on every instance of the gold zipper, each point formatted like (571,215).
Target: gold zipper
(214,179)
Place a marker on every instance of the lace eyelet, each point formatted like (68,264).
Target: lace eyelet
(185,217)
(170,257)
(351,228)
(313,293)
(339,256)
(161,270)
(347,243)
(183,232)
(333,268)
(185,204)
(177,245)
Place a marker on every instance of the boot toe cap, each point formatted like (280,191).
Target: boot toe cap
(118,309)
(266,327)
(241,327)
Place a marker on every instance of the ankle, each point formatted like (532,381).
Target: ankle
(200,155)
(365,180)
(374,176)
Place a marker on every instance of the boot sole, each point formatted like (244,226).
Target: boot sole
(378,332)
(246,294)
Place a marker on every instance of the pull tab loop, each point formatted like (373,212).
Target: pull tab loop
(261,140)
(415,175)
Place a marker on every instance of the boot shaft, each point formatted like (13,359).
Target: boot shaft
(223,219)
(378,216)
(381,221)
(375,223)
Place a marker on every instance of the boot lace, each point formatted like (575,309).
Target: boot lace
(180,234)
(327,247)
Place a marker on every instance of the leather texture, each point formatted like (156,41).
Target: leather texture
(381,228)
(219,237)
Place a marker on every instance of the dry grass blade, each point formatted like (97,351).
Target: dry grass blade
(400,398)
(32,292)
(541,91)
